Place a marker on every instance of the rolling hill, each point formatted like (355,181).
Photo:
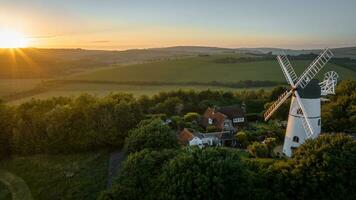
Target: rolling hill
(51,63)
(43,73)
(203,69)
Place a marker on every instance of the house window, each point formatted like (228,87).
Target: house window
(319,122)
(296,139)
(238,120)
(210,121)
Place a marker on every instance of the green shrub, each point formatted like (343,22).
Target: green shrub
(258,150)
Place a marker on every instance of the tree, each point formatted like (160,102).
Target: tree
(212,173)
(325,168)
(151,134)
(170,106)
(339,114)
(139,174)
(192,117)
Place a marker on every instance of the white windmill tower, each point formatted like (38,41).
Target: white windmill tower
(304,114)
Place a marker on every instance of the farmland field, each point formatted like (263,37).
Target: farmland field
(204,69)
(76,89)
(198,73)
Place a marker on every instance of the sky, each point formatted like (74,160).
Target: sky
(127,24)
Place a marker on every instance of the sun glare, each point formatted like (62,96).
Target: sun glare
(13,39)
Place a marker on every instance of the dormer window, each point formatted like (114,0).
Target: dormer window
(210,121)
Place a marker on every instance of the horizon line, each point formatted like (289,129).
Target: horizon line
(175,46)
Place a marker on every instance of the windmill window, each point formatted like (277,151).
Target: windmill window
(319,122)
(299,111)
(296,139)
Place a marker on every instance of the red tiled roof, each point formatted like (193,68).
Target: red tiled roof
(217,117)
(185,136)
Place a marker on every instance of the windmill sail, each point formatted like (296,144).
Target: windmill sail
(287,69)
(277,104)
(329,83)
(305,121)
(314,68)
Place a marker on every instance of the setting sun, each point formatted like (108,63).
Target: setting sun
(12,39)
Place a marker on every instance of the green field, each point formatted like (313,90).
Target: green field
(76,89)
(78,176)
(203,69)
(141,79)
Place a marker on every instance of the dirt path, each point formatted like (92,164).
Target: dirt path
(116,158)
(17,186)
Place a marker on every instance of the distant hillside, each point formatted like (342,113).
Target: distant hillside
(349,52)
(50,63)
(54,63)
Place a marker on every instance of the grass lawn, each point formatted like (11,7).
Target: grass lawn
(77,176)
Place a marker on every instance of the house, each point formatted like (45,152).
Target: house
(236,114)
(221,138)
(227,118)
(185,136)
(196,141)
(213,118)
(202,140)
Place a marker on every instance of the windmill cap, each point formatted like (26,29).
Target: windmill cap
(311,91)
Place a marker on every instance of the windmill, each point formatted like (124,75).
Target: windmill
(304,114)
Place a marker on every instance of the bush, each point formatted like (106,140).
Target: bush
(271,143)
(242,139)
(258,150)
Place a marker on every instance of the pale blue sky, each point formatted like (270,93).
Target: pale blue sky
(152,23)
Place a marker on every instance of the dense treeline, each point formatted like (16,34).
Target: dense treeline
(63,124)
(320,169)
